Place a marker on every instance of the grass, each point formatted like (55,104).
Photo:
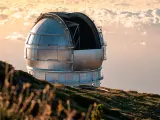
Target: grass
(24,97)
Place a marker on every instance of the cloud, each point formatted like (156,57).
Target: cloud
(2,22)
(18,15)
(3,17)
(123,4)
(3,8)
(32,15)
(143,43)
(16,36)
(26,23)
(143,33)
(17,9)
(58,9)
(129,19)
(156,12)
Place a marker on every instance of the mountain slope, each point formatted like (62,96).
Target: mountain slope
(116,104)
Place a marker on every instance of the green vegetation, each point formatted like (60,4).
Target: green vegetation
(24,97)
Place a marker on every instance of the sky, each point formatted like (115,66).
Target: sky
(130,28)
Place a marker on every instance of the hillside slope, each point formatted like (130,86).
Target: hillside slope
(116,104)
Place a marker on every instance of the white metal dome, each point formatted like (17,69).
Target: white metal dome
(65,48)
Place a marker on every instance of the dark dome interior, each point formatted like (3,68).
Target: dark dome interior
(87,32)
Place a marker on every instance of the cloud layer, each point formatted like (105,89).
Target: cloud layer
(16,36)
(102,16)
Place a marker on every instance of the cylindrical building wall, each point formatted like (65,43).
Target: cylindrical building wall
(74,78)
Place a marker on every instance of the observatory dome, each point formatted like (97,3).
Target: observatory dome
(65,48)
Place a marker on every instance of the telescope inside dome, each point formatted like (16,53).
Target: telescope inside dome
(82,29)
